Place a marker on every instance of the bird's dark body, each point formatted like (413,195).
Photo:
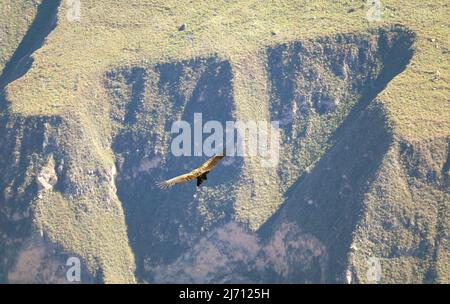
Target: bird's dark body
(201,178)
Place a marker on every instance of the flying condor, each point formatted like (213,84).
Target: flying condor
(198,173)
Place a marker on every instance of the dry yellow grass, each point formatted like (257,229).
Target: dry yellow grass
(66,79)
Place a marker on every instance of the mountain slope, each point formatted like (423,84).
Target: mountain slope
(87,107)
(16,17)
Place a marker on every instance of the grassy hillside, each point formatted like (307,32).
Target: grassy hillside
(15,19)
(117,32)
(115,78)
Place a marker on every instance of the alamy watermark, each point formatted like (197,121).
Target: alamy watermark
(374,13)
(247,139)
(373,273)
(73,10)
(73,273)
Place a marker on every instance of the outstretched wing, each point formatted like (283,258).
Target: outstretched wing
(177,180)
(210,163)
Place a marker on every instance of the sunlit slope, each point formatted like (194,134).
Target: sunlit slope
(15,19)
(82,118)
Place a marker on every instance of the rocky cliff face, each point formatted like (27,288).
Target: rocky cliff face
(349,201)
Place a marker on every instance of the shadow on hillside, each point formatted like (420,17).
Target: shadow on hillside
(164,223)
(327,202)
(171,235)
(21,60)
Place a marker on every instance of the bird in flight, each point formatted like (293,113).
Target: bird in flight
(198,173)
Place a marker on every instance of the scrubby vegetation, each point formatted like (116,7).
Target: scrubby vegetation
(365,147)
